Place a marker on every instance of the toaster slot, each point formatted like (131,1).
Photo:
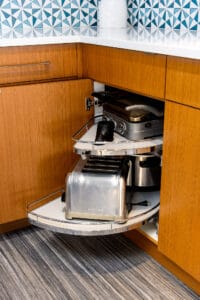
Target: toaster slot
(102,165)
(100,171)
(106,166)
(97,166)
(106,160)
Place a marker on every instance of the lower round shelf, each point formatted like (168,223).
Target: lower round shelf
(51,216)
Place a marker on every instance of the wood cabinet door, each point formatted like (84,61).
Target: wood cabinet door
(179,225)
(132,70)
(182,81)
(37,122)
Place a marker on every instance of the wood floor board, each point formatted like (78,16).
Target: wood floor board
(38,264)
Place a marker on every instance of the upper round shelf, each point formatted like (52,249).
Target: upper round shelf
(119,146)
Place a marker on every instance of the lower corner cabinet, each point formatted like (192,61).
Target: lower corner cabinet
(179,224)
(37,122)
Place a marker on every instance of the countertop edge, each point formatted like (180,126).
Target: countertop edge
(179,48)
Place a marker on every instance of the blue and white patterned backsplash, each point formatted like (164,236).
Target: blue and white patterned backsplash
(176,14)
(21,15)
(24,14)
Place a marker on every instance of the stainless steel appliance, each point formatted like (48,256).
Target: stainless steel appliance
(135,121)
(96,189)
(135,117)
(146,171)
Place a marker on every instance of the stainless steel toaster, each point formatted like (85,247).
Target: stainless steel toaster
(96,189)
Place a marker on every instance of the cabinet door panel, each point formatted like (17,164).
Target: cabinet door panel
(30,63)
(179,225)
(37,122)
(182,82)
(136,71)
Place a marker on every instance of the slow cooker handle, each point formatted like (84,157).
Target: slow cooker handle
(150,162)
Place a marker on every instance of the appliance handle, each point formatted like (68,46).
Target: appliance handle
(42,63)
(150,162)
(146,107)
(86,127)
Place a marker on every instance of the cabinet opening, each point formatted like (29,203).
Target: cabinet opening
(115,186)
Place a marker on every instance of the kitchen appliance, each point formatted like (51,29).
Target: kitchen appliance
(105,131)
(96,189)
(146,171)
(135,117)
(110,170)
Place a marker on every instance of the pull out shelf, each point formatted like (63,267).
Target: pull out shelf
(119,146)
(51,216)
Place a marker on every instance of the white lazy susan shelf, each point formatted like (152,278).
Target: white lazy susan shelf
(51,216)
(119,146)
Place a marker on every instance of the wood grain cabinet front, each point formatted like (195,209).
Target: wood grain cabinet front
(179,221)
(29,63)
(132,70)
(182,81)
(37,122)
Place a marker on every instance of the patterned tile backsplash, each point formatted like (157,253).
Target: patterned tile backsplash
(20,15)
(24,14)
(176,14)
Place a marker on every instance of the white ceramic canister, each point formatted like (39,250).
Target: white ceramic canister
(112,13)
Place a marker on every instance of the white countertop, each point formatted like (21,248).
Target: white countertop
(168,42)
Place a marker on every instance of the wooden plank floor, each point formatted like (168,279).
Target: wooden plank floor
(38,264)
